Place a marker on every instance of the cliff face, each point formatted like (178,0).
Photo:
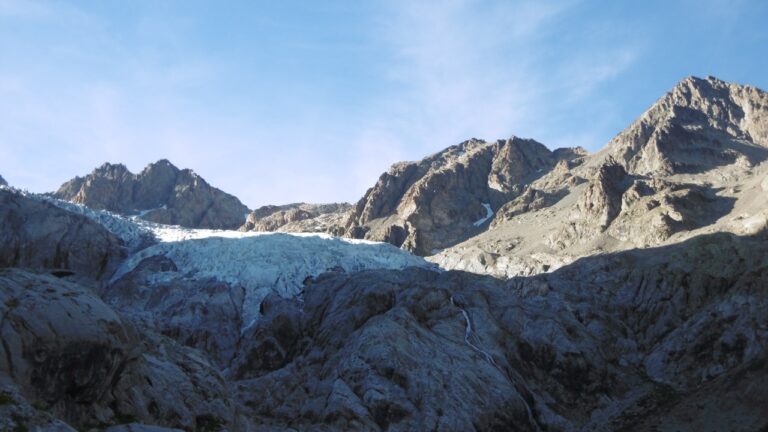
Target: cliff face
(693,163)
(699,126)
(450,196)
(300,217)
(160,193)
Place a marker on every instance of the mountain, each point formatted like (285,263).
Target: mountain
(699,126)
(299,217)
(3,182)
(693,163)
(160,193)
(670,337)
(622,290)
(450,196)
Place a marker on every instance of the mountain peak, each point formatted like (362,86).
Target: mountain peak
(701,124)
(161,192)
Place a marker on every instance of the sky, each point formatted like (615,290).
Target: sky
(288,101)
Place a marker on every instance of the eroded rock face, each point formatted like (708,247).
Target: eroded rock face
(444,198)
(35,234)
(302,217)
(596,345)
(160,193)
(700,125)
(70,355)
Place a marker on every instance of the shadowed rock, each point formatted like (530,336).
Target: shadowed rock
(36,234)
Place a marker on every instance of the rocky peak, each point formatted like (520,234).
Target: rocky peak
(515,160)
(161,193)
(451,195)
(3,182)
(112,171)
(700,125)
(298,217)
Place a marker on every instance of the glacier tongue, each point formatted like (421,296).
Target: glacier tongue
(265,262)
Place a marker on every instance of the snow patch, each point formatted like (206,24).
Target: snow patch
(492,184)
(488,215)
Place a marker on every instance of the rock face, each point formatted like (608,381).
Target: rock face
(301,217)
(35,234)
(447,197)
(692,164)
(594,346)
(160,193)
(69,355)
(700,125)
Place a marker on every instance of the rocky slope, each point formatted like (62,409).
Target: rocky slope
(67,356)
(450,196)
(300,217)
(595,346)
(647,339)
(699,126)
(160,193)
(35,234)
(694,163)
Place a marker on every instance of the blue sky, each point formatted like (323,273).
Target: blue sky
(283,101)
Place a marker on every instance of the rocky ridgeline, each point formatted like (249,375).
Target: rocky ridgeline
(694,163)
(700,125)
(160,193)
(300,217)
(445,198)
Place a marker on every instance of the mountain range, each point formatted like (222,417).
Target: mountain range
(494,285)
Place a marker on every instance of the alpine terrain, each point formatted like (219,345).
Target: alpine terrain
(493,286)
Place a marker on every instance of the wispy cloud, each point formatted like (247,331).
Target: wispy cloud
(466,68)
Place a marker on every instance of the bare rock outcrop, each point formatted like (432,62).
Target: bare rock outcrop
(692,164)
(69,355)
(596,345)
(36,234)
(300,217)
(700,125)
(449,196)
(160,193)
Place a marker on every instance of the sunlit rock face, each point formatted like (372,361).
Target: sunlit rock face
(160,193)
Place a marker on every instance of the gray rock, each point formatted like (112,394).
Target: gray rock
(443,199)
(300,217)
(3,182)
(160,193)
(36,234)
(72,356)
(596,345)
(691,165)
(700,125)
